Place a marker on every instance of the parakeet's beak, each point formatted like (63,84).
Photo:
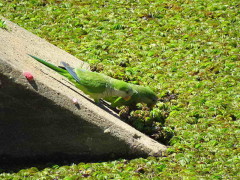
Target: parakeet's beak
(127,98)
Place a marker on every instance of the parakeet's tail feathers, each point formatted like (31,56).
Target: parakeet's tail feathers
(71,71)
(62,67)
(59,70)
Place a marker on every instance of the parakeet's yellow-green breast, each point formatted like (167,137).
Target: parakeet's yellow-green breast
(94,84)
(141,95)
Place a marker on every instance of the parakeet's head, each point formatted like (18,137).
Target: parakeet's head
(151,100)
(146,95)
(123,90)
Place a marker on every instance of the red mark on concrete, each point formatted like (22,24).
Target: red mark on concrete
(28,75)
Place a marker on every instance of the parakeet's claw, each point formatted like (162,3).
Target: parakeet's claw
(97,101)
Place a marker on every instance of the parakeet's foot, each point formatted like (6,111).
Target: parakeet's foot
(109,106)
(97,102)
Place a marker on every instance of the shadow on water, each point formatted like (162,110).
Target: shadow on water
(13,165)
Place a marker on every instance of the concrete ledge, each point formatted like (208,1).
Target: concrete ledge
(39,119)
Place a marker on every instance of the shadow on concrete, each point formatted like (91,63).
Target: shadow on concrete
(36,132)
(33,84)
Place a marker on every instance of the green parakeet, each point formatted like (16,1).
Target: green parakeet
(94,84)
(141,95)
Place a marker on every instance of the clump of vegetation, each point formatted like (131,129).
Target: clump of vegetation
(186,51)
(3,24)
(150,121)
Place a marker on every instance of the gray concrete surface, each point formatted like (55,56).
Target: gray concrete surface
(38,118)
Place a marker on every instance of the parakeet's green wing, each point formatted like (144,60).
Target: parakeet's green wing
(91,81)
